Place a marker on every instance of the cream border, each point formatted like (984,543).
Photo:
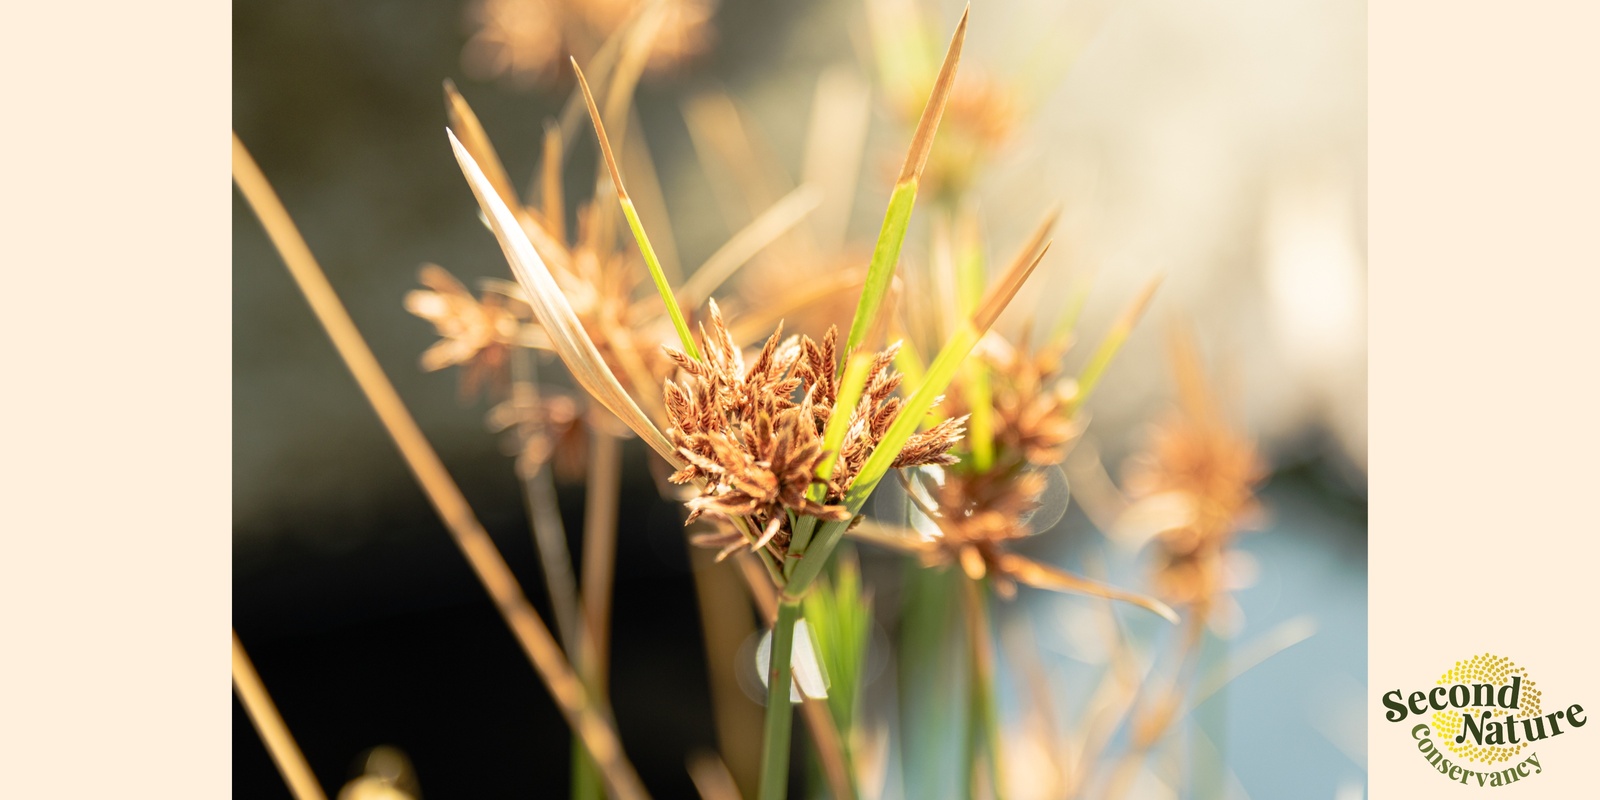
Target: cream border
(1485,269)
(114,586)
(114,460)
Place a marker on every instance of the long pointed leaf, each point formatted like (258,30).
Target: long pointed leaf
(555,314)
(886,253)
(1090,377)
(632,215)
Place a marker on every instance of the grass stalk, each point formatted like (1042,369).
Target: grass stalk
(551,189)
(931,715)
(825,733)
(1145,736)
(970,280)
(632,215)
(600,547)
(983,718)
(780,712)
(725,623)
(1077,297)
(740,167)
(566,332)
(589,719)
(475,141)
(839,616)
(835,144)
(550,537)
(599,573)
(544,516)
(467,127)
(712,778)
(269,724)
(587,783)
(1089,378)
(885,255)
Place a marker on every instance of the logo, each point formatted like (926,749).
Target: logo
(1479,723)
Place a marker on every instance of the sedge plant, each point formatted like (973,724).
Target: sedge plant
(786,476)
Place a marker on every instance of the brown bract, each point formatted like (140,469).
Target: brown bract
(753,435)
(477,334)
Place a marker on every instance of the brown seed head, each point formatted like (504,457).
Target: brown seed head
(752,433)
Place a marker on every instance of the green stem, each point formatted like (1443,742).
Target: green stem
(885,255)
(775,741)
(983,719)
(970,279)
(586,784)
(660,278)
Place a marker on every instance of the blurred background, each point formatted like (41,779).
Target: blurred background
(1217,143)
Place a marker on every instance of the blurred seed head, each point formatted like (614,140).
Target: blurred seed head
(478,334)
(1199,466)
(523,42)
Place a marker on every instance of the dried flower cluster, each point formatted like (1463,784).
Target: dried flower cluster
(477,334)
(543,427)
(523,41)
(754,435)
(1034,427)
(1197,458)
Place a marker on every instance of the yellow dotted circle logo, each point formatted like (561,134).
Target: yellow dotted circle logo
(1495,672)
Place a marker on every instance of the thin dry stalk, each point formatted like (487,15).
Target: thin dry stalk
(726,623)
(549,246)
(554,203)
(744,184)
(1147,732)
(549,534)
(588,719)
(830,747)
(630,67)
(264,715)
(1008,286)
(744,245)
(544,516)
(711,777)
(600,547)
(1022,650)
